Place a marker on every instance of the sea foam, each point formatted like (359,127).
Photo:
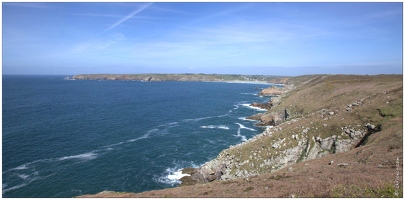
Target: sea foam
(172,175)
(245,119)
(177,175)
(252,107)
(13,188)
(139,138)
(243,138)
(84,156)
(241,126)
(216,126)
(22,176)
(22,167)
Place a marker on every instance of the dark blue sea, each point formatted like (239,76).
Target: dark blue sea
(64,138)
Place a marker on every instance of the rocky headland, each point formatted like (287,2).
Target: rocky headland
(325,136)
(184,77)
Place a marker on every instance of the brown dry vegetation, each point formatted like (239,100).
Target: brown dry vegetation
(369,170)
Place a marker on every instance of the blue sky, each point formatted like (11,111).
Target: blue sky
(228,38)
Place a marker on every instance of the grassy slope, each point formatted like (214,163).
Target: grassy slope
(371,169)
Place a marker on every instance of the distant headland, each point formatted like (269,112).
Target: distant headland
(185,77)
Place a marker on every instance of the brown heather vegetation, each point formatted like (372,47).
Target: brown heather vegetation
(369,170)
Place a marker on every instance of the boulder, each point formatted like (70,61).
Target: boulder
(327,143)
(271,119)
(370,126)
(342,145)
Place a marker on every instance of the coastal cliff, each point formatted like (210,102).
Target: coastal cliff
(310,130)
(339,132)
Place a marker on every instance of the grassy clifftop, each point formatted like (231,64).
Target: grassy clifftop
(343,138)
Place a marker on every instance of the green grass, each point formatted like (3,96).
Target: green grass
(354,191)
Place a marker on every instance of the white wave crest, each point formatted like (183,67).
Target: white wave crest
(243,138)
(241,126)
(245,119)
(111,145)
(202,118)
(177,175)
(22,176)
(172,175)
(13,188)
(139,138)
(173,123)
(22,167)
(216,126)
(84,156)
(254,94)
(196,119)
(252,107)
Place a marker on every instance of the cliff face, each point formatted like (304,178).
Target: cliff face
(324,115)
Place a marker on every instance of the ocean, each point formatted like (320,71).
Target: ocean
(64,138)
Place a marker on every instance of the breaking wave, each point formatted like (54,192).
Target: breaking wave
(84,156)
(241,126)
(172,175)
(216,127)
(252,107)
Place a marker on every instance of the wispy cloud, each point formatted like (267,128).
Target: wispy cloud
(116,16)
(134,12)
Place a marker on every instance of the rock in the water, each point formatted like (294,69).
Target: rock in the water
(266,106)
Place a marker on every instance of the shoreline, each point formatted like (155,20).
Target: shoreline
(189,175)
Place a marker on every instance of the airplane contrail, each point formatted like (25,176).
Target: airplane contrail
(137,10)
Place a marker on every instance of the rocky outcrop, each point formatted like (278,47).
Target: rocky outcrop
(275,149)
(270,119)
(276,155)
(267,119)
(271,91)
(266,106)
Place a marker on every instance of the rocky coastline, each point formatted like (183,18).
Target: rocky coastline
(217,168)
(332,131)
(280,152)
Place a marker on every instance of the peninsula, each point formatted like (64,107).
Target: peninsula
(185,77)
